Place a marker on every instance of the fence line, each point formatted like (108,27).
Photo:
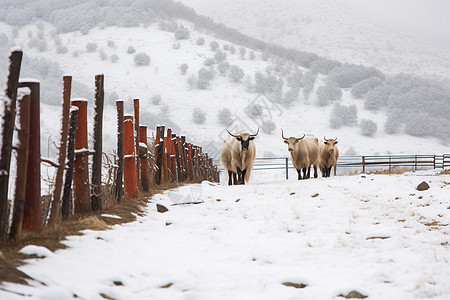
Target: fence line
(137,163)
(365,163)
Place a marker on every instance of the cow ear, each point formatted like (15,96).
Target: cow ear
(239,138)
(326,143)
(335,142)
(286,142)
(251,138)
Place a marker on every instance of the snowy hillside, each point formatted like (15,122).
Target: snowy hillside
(106,51)
(394,36)
(374,234)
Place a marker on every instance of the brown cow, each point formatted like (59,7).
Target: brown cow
(304,153)
(242,151)
(328,156)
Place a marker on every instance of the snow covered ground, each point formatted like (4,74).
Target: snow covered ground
(375,234)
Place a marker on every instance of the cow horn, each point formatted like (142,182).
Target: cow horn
(233,135)
(255,133)
(325,138)
(335,138)
(298,139)
(283,135)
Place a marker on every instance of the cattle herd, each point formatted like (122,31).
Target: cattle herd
(238,155)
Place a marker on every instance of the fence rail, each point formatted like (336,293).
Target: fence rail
(365,163)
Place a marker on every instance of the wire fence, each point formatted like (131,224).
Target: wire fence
(367,163)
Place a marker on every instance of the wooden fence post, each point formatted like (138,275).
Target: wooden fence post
(22,165)
(137,140)
(143,158)
(81,173)
(96,179)
(32,218)
(119,177)
(130,176)
(70,162)
(364,164)
(56,201)
(9,116)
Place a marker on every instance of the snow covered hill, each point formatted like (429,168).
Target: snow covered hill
(374,234)
(394,36)
(107,51)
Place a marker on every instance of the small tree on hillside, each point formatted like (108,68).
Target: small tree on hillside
(220,56)
(91,47)
(327,94)
(205,75)
(142,59)
(342,115)
(368,127)
(131,50)
(242,52)
(200,41)
(236,73)
(223,67)
(198,116)
(183,68)
(182,33)
(225,117)
(214,45)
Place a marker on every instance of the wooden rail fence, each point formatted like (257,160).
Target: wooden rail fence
(136,165)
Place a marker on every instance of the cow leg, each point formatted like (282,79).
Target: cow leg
(299,172)
(304,173)
(239,174)
(308,172)
(234,178)
(230,177)
(315,172)
(324,171)
(329,172)
(243,176)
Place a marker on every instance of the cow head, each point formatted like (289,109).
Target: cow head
(291,141)
(244,138)
(330,143)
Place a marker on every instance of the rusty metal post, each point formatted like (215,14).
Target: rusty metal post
(56,201)
(96,199)
(172,172)
(137,139)
(22,165)
(158,156)
(67,191)
(184,156)
(9,116)
(81,192)
(32,218)
(165,160)
(177,158)
(190,163)
(119,177)
(129,161)
(180,159)
(143,158)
